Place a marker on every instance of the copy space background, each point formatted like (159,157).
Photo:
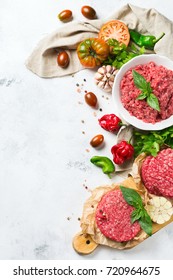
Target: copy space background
(45,173)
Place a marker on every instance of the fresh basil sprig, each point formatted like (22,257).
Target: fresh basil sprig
(120,53)
(146,90)
(139,214)
(151,142)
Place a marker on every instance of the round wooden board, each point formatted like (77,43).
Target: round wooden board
(83,243)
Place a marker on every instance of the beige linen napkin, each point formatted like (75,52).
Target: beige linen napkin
(43,60)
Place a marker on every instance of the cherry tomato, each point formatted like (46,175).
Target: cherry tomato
(63,59)
(115,29)
(65,15)
(97,140)
(92,52)
(91,99)
(88,12)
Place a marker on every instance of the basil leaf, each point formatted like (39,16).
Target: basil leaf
(140,214)
(139,80)
(153,102)
(132,197)
(142,96)
(136,215)
(149,89)
(146,223)
(141,83)
(151,142)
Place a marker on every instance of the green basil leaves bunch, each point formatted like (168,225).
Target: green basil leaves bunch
(139,214)
(146,90)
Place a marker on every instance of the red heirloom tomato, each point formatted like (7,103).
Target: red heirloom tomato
(92,52)
(115,29)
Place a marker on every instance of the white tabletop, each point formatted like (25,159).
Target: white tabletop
(45,129)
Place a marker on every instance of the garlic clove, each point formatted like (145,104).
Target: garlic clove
(111,78)
(98,76)
(101,84)
(107,87)
(111,83)
(104,79)
(108,68)
(102,70)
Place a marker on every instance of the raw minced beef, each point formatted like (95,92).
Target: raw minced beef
(113,217)
(161,80)
(157,173)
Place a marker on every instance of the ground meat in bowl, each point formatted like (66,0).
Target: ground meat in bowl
(161,80)
(113,217)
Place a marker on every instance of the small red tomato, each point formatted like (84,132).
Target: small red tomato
(63,59)
(97,140)
(65,15)
(88,12)
(91,99)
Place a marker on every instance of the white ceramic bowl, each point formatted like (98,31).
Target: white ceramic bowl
(123,113)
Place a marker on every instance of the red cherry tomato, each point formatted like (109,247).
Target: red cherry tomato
(97,140)
(65,15)
(63,59)
(88,12)
(91,99)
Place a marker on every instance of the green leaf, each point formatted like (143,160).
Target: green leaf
(142,50)
(139,214)
(136,215)
(146,223)
(142,96)
(132,197)
(139,81)
(120,53)
(151,142)
(153,102)
(149,89)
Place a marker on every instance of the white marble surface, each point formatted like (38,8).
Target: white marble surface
(44,165)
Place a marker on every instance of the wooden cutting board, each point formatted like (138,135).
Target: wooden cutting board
(84,244)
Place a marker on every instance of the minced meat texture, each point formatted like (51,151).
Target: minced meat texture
(161,80)
(157,173)
(113,217)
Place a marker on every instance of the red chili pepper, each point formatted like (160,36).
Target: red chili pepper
(122,152)
(110,122)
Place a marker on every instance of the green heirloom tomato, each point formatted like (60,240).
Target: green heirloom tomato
(92,52)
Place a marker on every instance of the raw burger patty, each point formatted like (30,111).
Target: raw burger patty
(113,217)
(157,173)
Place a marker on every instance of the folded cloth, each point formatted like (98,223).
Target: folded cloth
(43,60)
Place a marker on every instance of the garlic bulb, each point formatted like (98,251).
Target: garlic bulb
(160,209)
(105,76)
